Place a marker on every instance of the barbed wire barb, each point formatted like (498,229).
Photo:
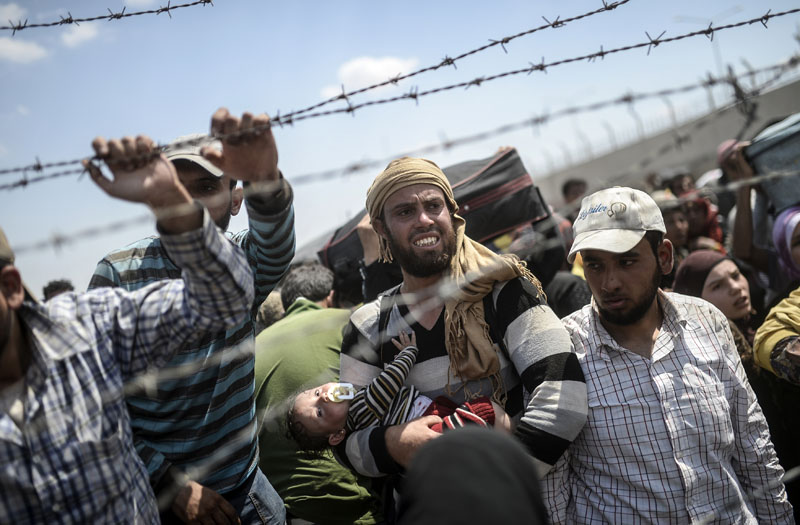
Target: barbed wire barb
(19,26)
(502,42)
(555,23)
(165,9)
(116,16)
(709,32)
(653,41)
(765,18)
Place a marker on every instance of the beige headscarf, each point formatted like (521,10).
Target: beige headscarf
(475,269)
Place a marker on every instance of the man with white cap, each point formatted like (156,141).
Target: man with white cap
(196,429)
(674,434)
(66,448)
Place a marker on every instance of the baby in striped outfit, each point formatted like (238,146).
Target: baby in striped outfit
(317,419)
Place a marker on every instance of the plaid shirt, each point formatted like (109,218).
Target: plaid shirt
(73,460)
(672,439)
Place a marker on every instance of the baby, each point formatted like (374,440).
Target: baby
(322,416)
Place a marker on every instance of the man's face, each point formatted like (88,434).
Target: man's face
(624,285)
(696,215)
(419,229)
(12,295)
(214,192)
(574,192)
(677,227)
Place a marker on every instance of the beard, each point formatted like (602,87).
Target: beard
(639,309)
(223,222)
(429,263)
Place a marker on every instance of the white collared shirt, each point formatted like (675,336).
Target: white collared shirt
(676,438)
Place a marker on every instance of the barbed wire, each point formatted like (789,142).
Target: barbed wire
(532,122)
(741,102)
(58,241)
(539,120)
(448,61)
(415,94)
(69,19)
(556,23)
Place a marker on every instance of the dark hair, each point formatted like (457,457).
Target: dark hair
(569,183)
(310,280)
(56,287)
(306,442)
(654,239)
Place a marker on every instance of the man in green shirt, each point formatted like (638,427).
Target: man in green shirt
(300,351)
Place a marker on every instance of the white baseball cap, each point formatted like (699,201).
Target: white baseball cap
(191,151)
(615,220)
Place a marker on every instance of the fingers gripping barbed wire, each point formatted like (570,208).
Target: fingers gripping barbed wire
(69,19)
(532,122)
(415,94)
(448,61)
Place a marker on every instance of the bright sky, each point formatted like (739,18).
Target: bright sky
(164,77)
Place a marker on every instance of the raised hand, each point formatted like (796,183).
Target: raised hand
(251,155)
(142,175)
(405,340)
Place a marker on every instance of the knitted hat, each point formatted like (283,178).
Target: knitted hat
(693,271)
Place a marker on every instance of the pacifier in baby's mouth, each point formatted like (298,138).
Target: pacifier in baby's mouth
(339,392)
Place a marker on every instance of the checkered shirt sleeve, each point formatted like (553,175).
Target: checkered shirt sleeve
(72,459)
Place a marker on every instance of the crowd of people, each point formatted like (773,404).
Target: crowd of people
(633,358)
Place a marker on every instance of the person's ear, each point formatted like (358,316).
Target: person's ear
(337,437)
(379,227)
(665,256)
(237,197)
(328,301)
(11,286)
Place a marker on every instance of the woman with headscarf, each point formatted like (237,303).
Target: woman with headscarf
(786,238)
(717,279)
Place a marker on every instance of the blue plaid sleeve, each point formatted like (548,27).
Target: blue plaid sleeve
(216,293)
(269,242)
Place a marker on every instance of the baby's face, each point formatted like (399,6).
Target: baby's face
(319,416)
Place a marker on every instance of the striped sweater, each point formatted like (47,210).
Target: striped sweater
(385,400)
(538,363)
(186,422)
